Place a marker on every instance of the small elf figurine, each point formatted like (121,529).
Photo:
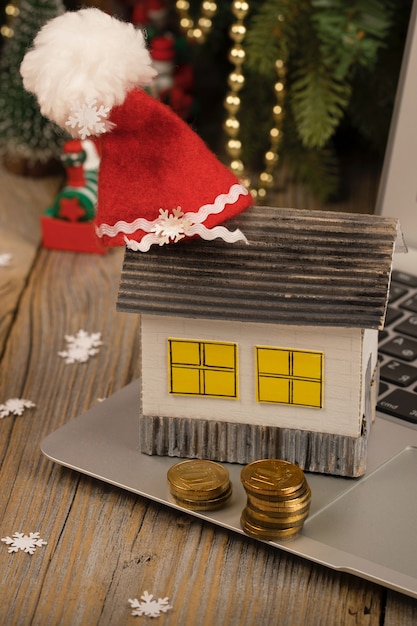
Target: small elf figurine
(158,182)
(76,202)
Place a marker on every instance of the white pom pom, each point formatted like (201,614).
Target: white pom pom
(84,56)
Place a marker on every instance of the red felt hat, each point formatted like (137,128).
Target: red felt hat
(159,183)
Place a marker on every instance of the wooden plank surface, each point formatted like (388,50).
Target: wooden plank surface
(105,545)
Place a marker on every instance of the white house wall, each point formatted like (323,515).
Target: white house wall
(369,354)
(343,365)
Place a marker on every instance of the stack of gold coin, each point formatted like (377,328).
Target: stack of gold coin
(199,485)
(278,499)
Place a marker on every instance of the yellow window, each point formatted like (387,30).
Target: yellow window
(185,352)
(185,380)
(306,393)
(272,361)
(219,383)
(307,364)
(219,355)
(202,368)
(273,389)
(288,376)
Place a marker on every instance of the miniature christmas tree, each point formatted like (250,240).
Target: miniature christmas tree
(29,144)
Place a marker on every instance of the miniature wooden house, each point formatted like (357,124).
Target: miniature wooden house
(266,350)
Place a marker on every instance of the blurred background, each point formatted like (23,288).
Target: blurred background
(281,90)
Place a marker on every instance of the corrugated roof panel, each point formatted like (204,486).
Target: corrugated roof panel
(300,267)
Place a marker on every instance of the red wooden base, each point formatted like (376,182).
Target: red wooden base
(70,236)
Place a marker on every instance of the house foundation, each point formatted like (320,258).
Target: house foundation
(243,443)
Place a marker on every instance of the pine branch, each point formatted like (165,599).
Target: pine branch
(270,35)
(351,32)
(318,104)
(317,169)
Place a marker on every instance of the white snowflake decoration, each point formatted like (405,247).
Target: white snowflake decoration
(148,606)
(5,259)
(25,543)
(81,347)
(88,118)
(171,226)
(15,406)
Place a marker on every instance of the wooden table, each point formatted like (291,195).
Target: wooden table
(105,545)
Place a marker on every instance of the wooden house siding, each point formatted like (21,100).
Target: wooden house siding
(243,443)
(342,402)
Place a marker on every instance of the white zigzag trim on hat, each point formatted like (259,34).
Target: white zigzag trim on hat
(220,202)
(200,216)
(198,229)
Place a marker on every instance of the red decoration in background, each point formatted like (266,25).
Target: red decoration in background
(69,223)
(70,236)
(70,210)
(174,84)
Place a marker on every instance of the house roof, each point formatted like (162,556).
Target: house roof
(300,267)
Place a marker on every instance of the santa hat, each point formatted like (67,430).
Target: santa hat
(158,182)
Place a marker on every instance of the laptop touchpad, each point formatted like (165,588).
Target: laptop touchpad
(377,518)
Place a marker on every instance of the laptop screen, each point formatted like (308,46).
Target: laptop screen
(397,196)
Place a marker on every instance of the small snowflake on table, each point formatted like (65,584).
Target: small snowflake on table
(81,346)
(149,606)
(5,259)
(25,543)
(15,406)
(89,119)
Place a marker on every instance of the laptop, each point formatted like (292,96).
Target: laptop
(366,526)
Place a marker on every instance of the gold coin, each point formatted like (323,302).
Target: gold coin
(196,496)
(268,527)
(272,477)
(276,505)
(284,505)
(282,521)
(198,477)
(204,505)
(280,513)
(199,495)
(278,497)
(267,534)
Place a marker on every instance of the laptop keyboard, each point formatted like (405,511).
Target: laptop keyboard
(398,350)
